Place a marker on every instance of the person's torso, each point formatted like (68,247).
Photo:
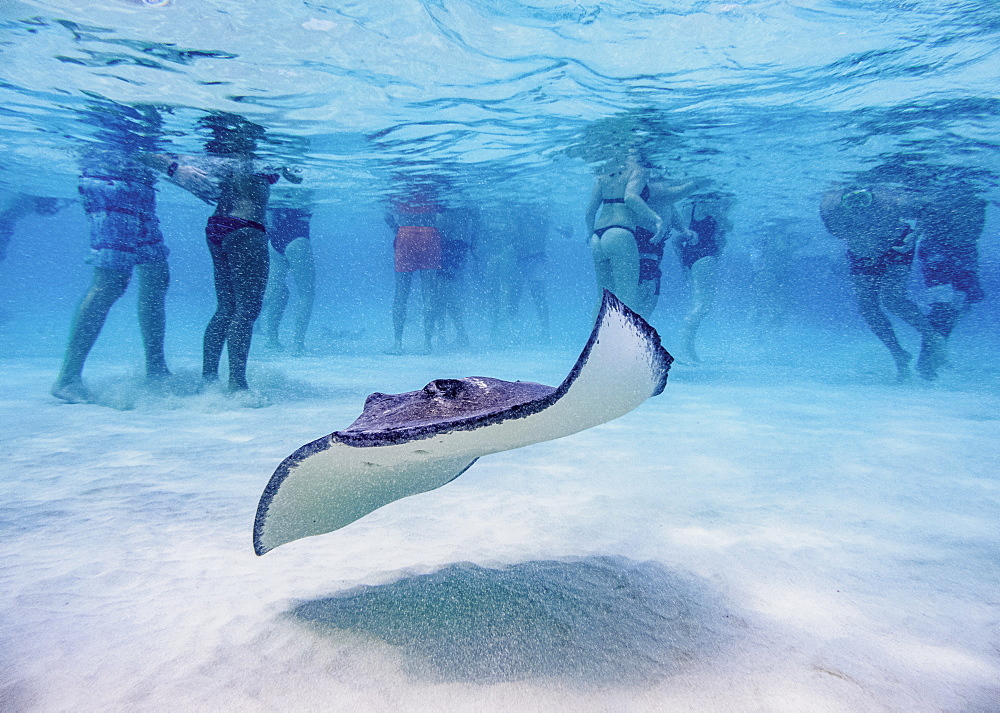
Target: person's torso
(244,192)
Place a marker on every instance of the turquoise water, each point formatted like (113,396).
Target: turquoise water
(785,528)
(772,100)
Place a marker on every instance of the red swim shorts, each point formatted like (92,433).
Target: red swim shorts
(417,248)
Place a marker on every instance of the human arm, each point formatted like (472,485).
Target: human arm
(721,233)
(907,241)
(184,174)
(677,223)
(683,190)
(827,210)
(646,215)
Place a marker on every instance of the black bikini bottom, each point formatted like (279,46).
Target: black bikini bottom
(599,232)
(219,226)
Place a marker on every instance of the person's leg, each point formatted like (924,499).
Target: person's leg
(515,291)
(457,311)
(6,233)
(275,297)
(218,326)
(602,270)
(621,265)
(895,299)
(303,269)
(248,262)
(108,285)
(402,294)
(704,279)
(948,303)
(453,309)
(866,292)
(646,298)
(943,317)
(537,293)
(154,278)
(430,294)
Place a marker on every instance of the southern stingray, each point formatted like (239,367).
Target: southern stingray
(404,444)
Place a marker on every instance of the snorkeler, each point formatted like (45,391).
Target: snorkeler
(699,251)
(417,249)
(290,254)
(619,195)
(950,222)
(237,241)
(880,249)
(116,186)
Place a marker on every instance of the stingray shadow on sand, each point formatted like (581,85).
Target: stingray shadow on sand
(597,621)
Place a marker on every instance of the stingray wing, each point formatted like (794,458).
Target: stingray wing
(335,480)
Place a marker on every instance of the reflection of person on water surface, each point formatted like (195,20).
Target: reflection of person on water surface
(880,248)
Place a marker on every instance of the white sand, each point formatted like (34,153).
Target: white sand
(737,544)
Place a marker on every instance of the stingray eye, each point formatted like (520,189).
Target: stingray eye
(446,388)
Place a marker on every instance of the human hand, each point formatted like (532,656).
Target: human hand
(659,234)
(690,237)
(908,240)
(292,175)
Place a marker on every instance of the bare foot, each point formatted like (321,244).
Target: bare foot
(73,392)
(903,360)
(245,398)
(158,377)
(932,356)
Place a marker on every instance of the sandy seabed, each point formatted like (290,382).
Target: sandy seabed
(736,544)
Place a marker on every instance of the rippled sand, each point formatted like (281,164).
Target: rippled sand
(730,546)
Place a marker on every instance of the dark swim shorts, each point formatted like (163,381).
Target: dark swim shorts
(949,266)
(878,265)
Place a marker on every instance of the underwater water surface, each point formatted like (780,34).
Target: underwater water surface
(785,528)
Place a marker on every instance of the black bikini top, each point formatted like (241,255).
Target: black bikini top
(644,194)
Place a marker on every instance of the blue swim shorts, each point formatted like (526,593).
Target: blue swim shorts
(124,229)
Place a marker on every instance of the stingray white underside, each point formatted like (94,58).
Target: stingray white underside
(335,483)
